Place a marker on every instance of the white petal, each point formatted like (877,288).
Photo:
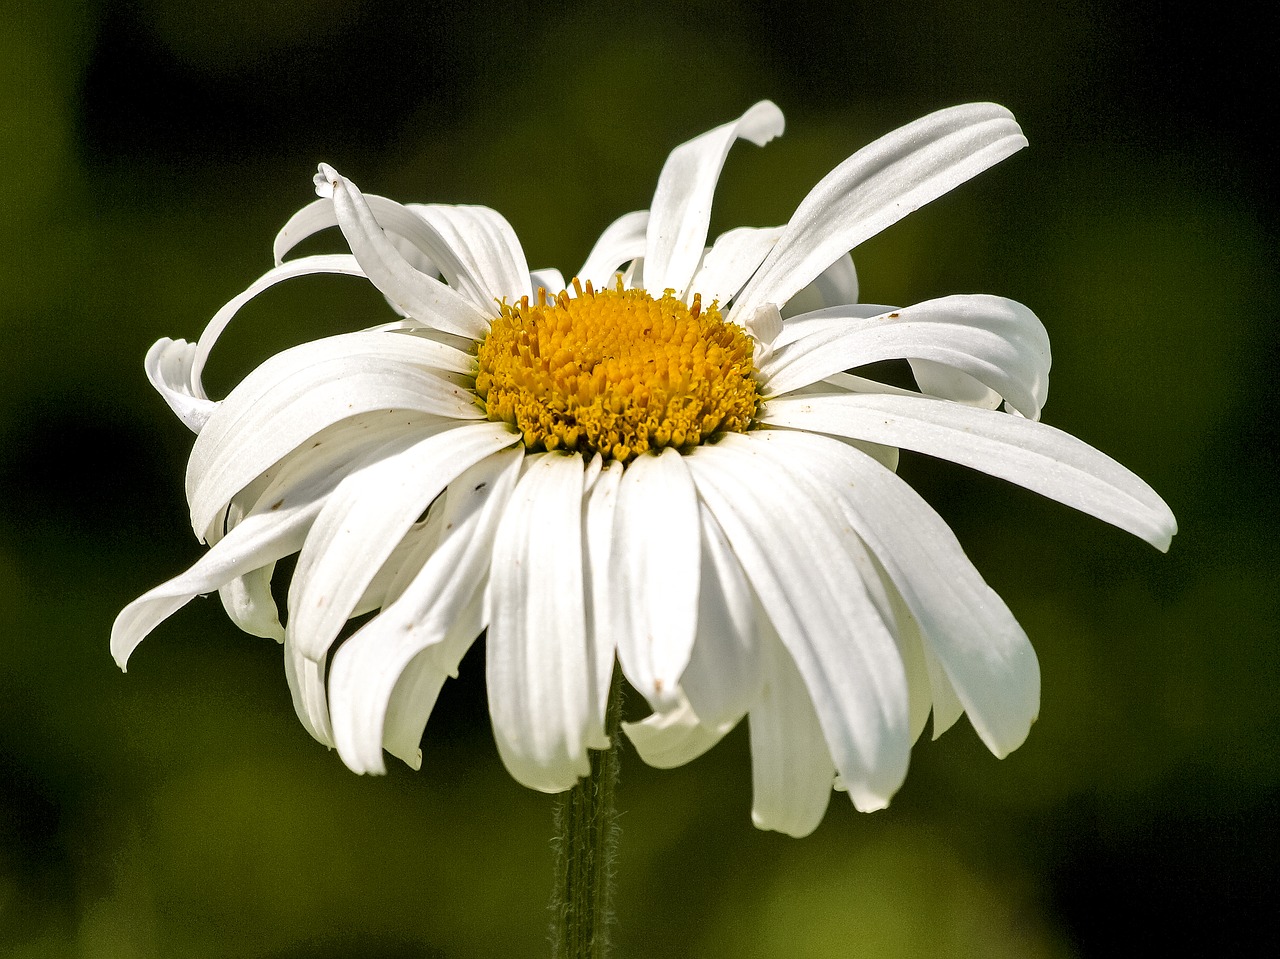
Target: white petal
(416,240)
(791,547)
(669,739)
(250,605)
(1039,457)
(984,651)
(366,516)
(876,187)
(836,285)
(730,262)
(550,279)
(829,320)
(938,379)
(416,294)
(306,687)
(415,692)
(368,669)
(947,707)
(681,209)
(296,394)
(911,647)
(994,340)
(168,366)
(488,248)
(724,675)
(655,562)
(791,768)
(404,563)
(342,264)
(259,540)
(536,661)
(601,503)
(621,242)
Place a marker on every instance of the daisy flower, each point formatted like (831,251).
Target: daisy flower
(662,463)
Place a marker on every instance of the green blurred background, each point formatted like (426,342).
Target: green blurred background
(150,150)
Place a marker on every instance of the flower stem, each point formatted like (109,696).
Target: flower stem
(586,844)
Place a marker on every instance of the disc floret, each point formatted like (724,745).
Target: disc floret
(616,372)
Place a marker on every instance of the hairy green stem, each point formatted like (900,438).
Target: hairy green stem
(586,844)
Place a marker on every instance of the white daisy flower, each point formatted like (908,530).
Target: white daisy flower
(662,462)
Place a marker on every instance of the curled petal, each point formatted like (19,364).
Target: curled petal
(876,187)
(414,293)
(305,266)
(296,394)
(168,365)
(681,210)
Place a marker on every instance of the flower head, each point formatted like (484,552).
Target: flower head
(662,463)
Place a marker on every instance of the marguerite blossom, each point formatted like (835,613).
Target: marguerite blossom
(662,463)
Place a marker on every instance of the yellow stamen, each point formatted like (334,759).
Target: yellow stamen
(616,372)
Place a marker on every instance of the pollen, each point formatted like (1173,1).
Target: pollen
(616,372)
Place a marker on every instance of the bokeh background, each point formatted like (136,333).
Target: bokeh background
(150,150)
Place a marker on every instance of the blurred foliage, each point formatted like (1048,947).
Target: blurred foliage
(151,148)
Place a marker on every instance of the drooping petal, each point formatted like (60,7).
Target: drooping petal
(791,769)
(487,246)
(404,563)
(984,651)
(258,540)
(669,739)
(947,708)
(730,262)
(250,605)
(1031,454)
(876,187)
(655,559)
(366,516)
(621,242)
(906,633)
(306,688)
(369,666)
(343,264)
(725,671)
(416,294)
(415,692)
(681,209)
(296,394)
(168,366)
(536,660)
(602,639)
(996,341)
(821,610)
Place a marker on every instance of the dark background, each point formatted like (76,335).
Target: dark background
(150,150)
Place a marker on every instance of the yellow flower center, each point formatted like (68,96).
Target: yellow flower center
(616,372)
